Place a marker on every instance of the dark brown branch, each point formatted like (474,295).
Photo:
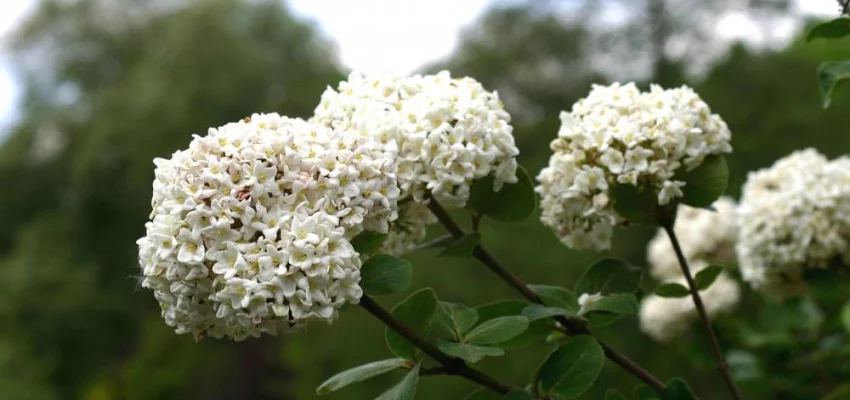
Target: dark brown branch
(722,366)
(573,327)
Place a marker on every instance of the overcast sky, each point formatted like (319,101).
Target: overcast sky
(365,29)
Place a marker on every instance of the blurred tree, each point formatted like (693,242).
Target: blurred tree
(111,84)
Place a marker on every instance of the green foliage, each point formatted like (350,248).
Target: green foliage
(556,296)
(613,394)
(671,289)
(537,330)
(609,276)
(835,29)
(643,392)
(359,374)
(705,183)
(404,390)
(620,303)
(456,319)
(469,352)
(677,389)
(385,274)
(571,369)
(830,73)
(706,276)
(462,247)
(637,205)
(845,317)
(535,312)
(497,330)
(516,395)
(513,203)
(367,242)
(840,393)
(415,312)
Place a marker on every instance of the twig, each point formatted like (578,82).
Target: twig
(572,327)
(722,366)
(450,365)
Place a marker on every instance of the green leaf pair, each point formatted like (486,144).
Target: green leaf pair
(473,344)
(404,390)
(703,280)
(513,203)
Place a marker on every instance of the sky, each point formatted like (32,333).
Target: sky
(364,30)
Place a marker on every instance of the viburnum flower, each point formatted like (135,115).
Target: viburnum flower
(409,229)
(250,227)
(794,215)
(704,236)
(664,318)
(619,135)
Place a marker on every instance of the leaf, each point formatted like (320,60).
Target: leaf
(513,203)
(620,303)
(840,393)
(497,330)
(677,389)
(518,395)
(705,183)
(455,319)
(834,29)
(845,317)
(404,390)
(469,352)
(672,290)
(416,313)
(643,392)
(359,374)
(636,205)
(829,74)
(535,312)
(556,296)
(367,242)
(462,246)
(608,276)
(385,274)
(613,394)
(744,366)
(537,330)
(571,369)
(706,276)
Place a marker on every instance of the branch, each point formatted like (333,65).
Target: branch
(722,366)
(450,365)
(572,327)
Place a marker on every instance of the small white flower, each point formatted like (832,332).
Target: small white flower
(586,300)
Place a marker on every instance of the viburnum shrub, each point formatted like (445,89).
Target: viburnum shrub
(269,223)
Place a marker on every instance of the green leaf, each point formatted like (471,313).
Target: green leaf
(613,394)
(840,393)
(829,74)
(385,274)
(518,395)
(415,312)
(359,374)
(671,289)
(609,276)
(744,366)
(635,204)
(514,203)
(404,390)
(462,246)
(497,330)
(535,312)
(367,242)
(677,389)
(469,352)
(620,303)
(571,369)
(834,29)
(845,317)
(537,330)
(643,392)
(556,296)
(455,319)
(706,276)
(705,183)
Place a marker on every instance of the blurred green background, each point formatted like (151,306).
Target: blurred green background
(111,84)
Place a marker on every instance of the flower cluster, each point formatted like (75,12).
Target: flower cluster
(665,318)
(705,237)
(794,215)
(442,132)
(250,226)
(619,135)
(409,229)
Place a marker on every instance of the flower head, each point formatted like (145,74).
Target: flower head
(619,135)
(250,226)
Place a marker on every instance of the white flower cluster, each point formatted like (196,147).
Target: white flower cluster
(665,318)
(250,226)
(444,132)
(409,229)
(794,215)
(619,135)
(705,237)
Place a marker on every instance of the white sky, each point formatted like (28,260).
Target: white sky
(384,35)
